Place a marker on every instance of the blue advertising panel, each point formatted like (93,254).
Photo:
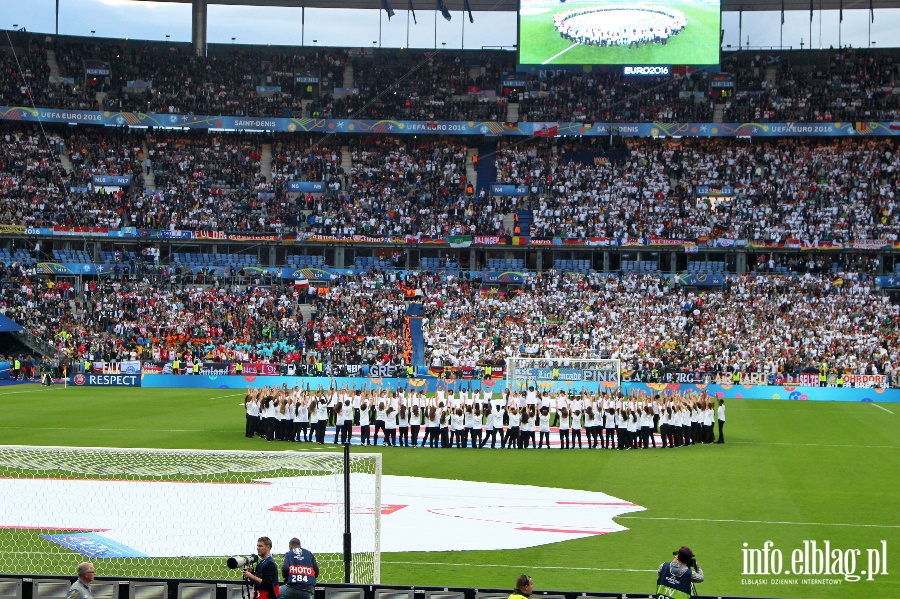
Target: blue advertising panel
(429,384)
(709,191)
(96,67)
(493,128)
(509,190)
(306,186)
(112,180)
(106,380)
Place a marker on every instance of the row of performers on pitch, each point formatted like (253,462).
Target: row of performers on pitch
(602,423)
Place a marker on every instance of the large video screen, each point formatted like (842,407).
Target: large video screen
(619,32)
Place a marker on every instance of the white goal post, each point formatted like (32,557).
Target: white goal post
(568,374)
(181,513)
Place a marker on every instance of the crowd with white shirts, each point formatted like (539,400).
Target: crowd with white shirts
(808,189)
(767,324)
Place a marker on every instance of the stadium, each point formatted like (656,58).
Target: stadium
(485,319)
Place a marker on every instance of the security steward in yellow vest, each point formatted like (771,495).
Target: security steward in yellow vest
(524,586)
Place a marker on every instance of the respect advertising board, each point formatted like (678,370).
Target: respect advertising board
(106,380)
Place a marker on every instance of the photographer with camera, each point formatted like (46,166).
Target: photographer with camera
(265,574)
(675,579)
(299,570)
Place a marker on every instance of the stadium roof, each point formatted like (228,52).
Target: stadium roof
(512,5)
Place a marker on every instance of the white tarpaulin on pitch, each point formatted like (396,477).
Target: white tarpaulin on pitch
(170,519)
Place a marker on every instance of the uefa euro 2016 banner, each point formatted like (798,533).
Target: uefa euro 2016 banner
(492,128)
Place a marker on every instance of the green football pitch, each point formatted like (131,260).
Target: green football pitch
(790,472)
(540,43)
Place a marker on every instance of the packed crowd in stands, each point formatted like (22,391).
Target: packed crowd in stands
(834,85)
(764,323)
(848,86)
(397,186)
(115,319)
(806,189)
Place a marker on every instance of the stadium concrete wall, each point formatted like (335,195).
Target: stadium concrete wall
(786,392)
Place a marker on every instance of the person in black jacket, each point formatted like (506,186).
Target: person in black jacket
(265,575)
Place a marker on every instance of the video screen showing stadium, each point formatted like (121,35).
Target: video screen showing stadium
(626,32)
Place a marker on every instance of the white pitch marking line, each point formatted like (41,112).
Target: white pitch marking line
(123,430)
(762,522)
(516,567)
(816,445)
(885,409)
(31,391)
(558,54)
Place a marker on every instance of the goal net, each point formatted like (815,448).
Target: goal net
(568,374)
(181,514)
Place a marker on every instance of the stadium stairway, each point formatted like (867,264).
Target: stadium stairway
(306,311)
(471,172)
(346,161)
(149,177)
(265,162)
(65,160)
(415,313)
(348,76)
(525,219)
(512,112)
(719,114)
(487,166)
(51,62)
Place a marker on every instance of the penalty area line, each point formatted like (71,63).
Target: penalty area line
(558,54)
(761,522)
(885,409)
(515,567)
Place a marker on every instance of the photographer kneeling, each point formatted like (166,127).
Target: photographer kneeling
(299,570)
(675,578)
(265,574)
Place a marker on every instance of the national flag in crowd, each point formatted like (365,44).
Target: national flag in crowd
(409,7)
(468,8)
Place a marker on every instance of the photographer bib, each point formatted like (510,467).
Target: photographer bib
(300,567)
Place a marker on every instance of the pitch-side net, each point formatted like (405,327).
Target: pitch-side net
(181,514)
(553,374)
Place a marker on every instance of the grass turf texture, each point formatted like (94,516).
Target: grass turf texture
(698,44)
(791,471)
